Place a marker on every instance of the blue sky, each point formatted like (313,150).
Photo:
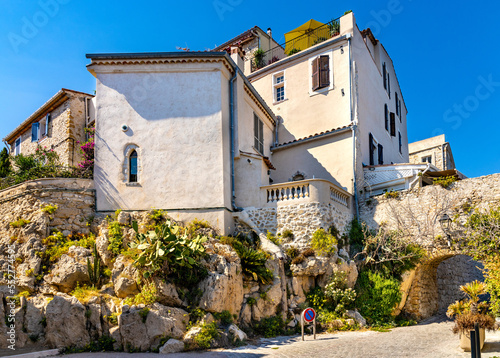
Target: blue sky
(446,53)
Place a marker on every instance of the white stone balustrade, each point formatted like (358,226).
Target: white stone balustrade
(310,190)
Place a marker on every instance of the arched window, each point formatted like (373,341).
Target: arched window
(132,178)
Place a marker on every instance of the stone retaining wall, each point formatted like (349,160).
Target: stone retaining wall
(302,219)
(74,199)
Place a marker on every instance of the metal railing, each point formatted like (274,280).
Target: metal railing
(261,59)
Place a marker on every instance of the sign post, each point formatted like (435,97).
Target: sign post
(308,315)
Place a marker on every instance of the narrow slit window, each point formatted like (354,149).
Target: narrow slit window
(133,167)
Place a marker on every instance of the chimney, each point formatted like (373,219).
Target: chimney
(269,32)
(237,56)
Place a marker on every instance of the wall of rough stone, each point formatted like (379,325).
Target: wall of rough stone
(417,214)
(66,129)
(453,273)
(74,198)
(302,219)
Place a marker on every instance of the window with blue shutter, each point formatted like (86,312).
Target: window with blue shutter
(380,154)
(34,131)
(17,149)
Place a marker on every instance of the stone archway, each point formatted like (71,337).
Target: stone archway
(430,292)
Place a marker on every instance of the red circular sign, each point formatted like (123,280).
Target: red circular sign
(309,314)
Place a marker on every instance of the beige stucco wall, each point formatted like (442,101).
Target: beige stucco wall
(67,128)
(304,112)
(327,158)
(370,98)
(437,148)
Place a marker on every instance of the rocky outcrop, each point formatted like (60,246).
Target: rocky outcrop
(167,293)
(70,270)
(172,346)
(66,323)
(223,288)
(142,327)
(124,277)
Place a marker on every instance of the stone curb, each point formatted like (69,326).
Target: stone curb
(48,353)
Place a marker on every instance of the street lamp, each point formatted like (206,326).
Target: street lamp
(445,223)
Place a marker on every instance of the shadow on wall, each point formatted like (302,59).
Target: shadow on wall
(157,96)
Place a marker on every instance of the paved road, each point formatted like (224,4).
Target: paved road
(430,339)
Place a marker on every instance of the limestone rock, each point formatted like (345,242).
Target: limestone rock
(189,337)
(68,272)
(123,218)
(357,317)
(312,266)
(237,333)
(133,330)
(35,311)
(66,321)
(114,333)
(3,326)
(172,346)
(167,293)
(160,321)
(267,307)
(124,277)
(102,244)
(223,288)
(166,321)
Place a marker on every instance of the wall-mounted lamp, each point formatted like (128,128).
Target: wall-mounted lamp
(341,49)
(343,93)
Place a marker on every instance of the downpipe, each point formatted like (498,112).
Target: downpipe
(231,135)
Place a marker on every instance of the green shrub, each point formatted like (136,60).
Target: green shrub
(157,215)
(292,252)
(391,194)
(144,314)
(324,243)
(19,223)
(444,182)
(224,317)
(147,296)
(207,334)
(57,245)
(377,296)
(274,239)
(251,301)
(270,327)
(112,319)
(49,209)
(115,237)
(5,168)
(287,235)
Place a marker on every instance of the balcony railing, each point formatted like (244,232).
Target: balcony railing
(313,37)
(311,190)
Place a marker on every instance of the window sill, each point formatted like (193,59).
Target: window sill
(133,184)
(257,151)
(320,91)
(278,102)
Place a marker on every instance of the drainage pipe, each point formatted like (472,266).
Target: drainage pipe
(354,126)
(231,135)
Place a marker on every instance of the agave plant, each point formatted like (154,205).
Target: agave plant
(94,269)
(253,263)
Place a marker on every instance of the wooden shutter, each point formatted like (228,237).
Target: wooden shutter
(370,145)
(400,143)
(315,74)
(386,117)
(261,137)
(380,154)
(256,131)
(400,114)
(393,124)
(324,71)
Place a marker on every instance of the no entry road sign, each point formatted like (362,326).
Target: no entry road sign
(309,315)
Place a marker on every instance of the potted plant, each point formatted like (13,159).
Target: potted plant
(334,27)
(468,313)
(258,58)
